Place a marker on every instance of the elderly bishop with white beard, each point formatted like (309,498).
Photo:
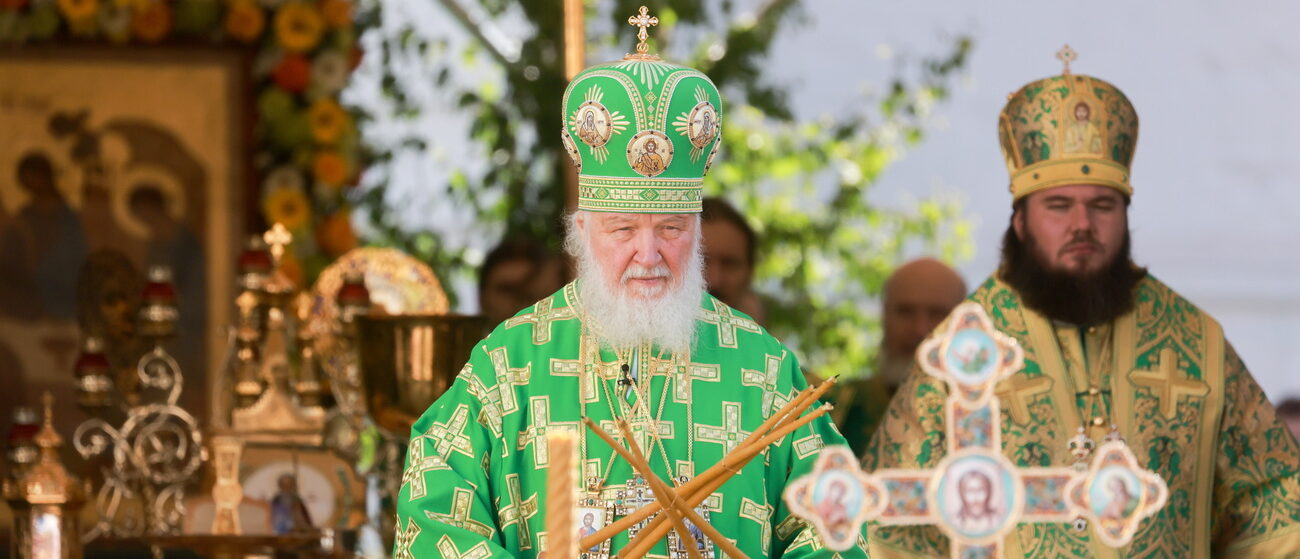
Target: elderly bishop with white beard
(636,338)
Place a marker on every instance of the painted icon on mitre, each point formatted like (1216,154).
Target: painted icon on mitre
(650,153)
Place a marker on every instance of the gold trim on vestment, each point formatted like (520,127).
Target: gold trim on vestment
(877,549)
(1284,543)
(1078,170)
(1212,365)
(1125,340)
(1047,354)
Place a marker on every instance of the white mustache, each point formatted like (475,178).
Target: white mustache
(642,272)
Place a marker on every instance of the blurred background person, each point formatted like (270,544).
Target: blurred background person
(915,299)
(730,254)
(41,248)
(514,275)
(1288,411)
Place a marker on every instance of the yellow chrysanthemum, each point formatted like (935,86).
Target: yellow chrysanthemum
(328,120)
(245,20)
(78,10)
(287,206)
(298,26)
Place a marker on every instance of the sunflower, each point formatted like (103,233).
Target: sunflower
(78,10)
(298,26)
(338,13)
(329,168)
(245,20)
(328,120)
(152,23)
(288,206)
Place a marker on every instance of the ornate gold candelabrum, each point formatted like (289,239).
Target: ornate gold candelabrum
(277,384)
(153,453)
(337,352)
(45,500)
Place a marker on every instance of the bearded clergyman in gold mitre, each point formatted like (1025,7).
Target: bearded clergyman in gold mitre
(1107,346)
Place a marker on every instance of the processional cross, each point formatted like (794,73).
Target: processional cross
(975,495)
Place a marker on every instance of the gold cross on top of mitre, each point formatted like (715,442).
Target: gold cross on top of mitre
(643,20)
(1066,55)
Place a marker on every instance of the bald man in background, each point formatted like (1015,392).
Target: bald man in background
(916,298)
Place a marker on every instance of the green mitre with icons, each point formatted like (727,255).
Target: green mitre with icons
(642,132)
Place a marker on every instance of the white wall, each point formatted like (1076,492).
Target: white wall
(1216,211)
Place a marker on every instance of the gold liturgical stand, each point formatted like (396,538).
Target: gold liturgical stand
(356,359)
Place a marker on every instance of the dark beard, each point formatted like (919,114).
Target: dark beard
(1083,300)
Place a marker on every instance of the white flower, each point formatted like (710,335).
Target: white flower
(329,72)
(283,177)
(115,20)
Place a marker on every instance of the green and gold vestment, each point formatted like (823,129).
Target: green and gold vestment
(475,482)
(1180,397)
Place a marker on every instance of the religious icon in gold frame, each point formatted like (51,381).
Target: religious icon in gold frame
(120,159)
(591,516)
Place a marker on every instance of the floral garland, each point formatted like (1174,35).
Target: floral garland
(307,144)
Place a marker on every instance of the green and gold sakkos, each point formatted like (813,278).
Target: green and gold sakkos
(475,482)
(1176,391)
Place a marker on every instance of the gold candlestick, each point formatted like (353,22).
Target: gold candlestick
(227,492)
(560,484)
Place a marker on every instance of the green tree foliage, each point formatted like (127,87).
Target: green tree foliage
(825,248)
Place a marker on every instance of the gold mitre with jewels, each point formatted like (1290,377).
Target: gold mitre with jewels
(642,132)
(1068,129)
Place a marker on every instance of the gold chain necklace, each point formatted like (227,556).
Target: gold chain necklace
(645,367)
(590,359)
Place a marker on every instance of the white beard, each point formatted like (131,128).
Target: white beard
(893,369)
(621,321)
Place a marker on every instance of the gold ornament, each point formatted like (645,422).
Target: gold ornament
(46,500)
(643,20)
